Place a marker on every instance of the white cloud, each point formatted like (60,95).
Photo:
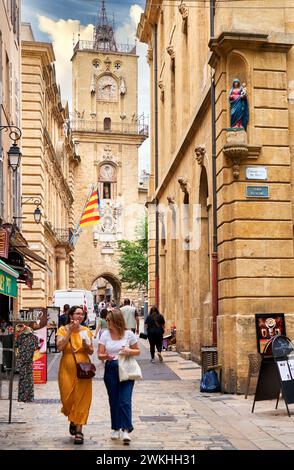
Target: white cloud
(63,34)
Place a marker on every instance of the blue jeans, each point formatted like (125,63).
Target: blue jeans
(120,397)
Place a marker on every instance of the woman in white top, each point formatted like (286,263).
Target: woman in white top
(114,341)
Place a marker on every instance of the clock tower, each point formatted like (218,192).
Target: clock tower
(108,133)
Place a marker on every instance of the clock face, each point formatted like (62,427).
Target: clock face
(107,89)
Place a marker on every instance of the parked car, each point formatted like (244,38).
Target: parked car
(77,297)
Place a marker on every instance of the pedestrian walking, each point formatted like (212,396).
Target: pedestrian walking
(114,341)
(75,342)
(155,329)
(102,323)
(131,316)
(63,318)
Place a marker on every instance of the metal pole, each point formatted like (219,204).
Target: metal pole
(214,261)
(156,166)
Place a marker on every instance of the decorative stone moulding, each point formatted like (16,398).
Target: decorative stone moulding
(170,199)
(200,152)
(171,52)
(184,10)
(183,182)
(238,150)
(161,86)
(107,63)
(149,55)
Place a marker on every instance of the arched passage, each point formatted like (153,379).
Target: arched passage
(107,286)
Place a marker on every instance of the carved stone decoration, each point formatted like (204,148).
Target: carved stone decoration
(122,87)
(184,184)
(170,199)
(161,86)
(108,153)
(200,152)
(93,85)
(107,63)
(184,10)
(171,52)
(149,55)
(238,150)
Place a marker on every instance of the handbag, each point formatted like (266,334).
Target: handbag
(128,368)
(85,370)
(143,336)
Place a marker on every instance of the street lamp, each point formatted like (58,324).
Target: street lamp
(37,211)
(14,153)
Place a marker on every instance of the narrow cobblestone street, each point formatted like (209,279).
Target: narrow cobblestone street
(168,409)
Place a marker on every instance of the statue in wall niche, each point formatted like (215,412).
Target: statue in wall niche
(239,105)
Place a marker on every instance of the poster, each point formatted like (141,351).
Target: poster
(53,316)
(291,366)
(40,357)
(268,325)
(284,370)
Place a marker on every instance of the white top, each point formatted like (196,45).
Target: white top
(129,314)
(113,346)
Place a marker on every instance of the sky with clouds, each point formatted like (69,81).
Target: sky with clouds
(60,22)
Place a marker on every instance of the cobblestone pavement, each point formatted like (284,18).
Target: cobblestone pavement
(168,409)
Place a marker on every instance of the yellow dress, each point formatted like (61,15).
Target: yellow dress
(76,394)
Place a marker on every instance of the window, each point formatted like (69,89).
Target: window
(107,124)
(106,190)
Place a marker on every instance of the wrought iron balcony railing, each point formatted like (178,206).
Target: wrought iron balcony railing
(83,125)
(89,45)
(64,235)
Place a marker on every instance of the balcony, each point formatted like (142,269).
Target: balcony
(119,48)
(138,128)
(63,235)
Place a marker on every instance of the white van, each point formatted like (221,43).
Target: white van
(77,297)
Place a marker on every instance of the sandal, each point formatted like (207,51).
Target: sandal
(79,438)
(72,429)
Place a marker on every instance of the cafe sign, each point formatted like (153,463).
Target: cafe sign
(8,283)
(4,243)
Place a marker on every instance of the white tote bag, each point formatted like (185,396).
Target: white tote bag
(128,368)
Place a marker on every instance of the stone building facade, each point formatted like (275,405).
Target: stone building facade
(194,57)
(48,164)
(108,133)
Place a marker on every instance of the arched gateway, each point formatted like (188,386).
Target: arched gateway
(106,286)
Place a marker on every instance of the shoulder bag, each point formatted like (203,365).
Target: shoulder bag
(85,370)
(128,368)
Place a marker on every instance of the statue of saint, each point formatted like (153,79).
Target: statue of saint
(239,105)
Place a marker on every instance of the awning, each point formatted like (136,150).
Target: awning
(8,283)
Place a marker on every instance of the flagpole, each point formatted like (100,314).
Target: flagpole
(77,230)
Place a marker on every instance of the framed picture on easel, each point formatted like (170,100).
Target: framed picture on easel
(268,325)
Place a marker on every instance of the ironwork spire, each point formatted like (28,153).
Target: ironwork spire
(104,32)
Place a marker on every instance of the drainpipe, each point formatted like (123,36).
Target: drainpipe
(214,195)
(156,166)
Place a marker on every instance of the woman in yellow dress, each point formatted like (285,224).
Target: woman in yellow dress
(76,394)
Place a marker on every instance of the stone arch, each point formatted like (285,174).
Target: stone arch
(114,281)
(237,68)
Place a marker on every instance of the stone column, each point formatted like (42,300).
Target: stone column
(61,258)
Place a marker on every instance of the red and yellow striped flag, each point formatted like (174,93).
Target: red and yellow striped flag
(91,214)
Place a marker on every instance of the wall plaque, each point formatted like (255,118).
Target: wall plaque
(257,191)
(256,173)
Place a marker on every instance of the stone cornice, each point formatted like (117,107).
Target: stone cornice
(38,49)
(131,139)
(229,40)
(148,19)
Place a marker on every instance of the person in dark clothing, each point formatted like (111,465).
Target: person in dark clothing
(155,328)
(63,317)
